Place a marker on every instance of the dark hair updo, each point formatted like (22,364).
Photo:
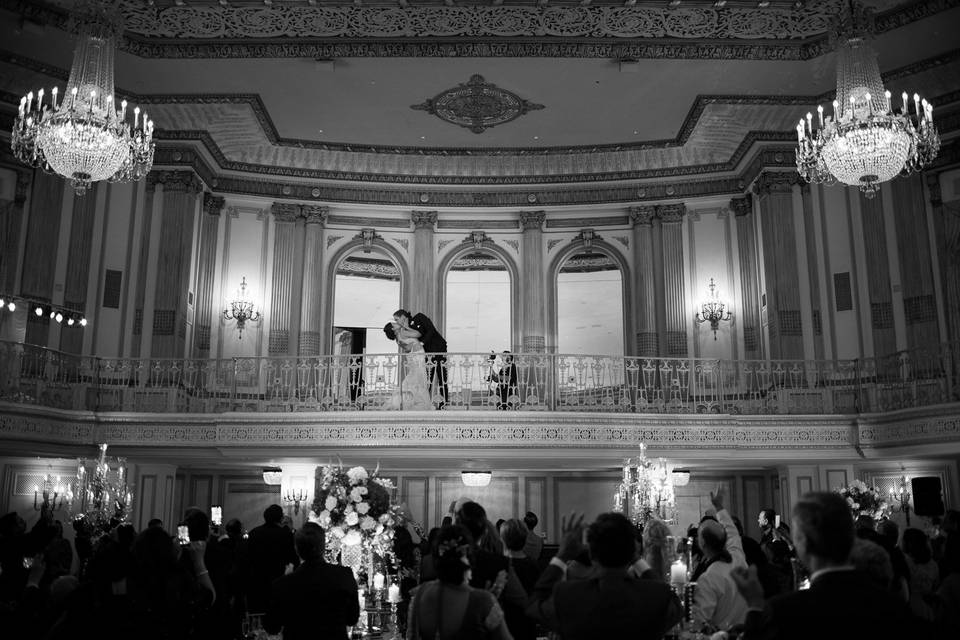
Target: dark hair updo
(388,330)
(451,553)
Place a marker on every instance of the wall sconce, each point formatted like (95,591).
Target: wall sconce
(241,309)
(900,497)
(272,475)
(296,493)
(713,310)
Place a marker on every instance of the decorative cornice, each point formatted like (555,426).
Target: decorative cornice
(423,219)
(213,205)
(741,206)
(534,29)
(530,220)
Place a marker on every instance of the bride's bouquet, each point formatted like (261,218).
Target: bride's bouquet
(353,506)
(864,500)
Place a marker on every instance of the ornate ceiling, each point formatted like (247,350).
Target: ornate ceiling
(236,89)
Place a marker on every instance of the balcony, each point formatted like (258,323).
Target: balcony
(32,375)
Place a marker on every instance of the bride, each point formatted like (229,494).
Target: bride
(413,393)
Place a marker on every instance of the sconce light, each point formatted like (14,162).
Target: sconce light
(50,496)
(272,475)
(241,309)
(713,310)
(900,497)
(475,478)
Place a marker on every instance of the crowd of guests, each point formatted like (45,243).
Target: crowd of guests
(473,579)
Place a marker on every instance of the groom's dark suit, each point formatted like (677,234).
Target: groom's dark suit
(433,343)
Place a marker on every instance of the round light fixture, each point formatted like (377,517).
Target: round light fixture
(272,475)
(680,477)
(476,478)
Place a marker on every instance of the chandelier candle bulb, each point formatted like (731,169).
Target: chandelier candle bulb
(40,100)
(820,114)
(136,116)
(887,95)
(53,98)
(916,103)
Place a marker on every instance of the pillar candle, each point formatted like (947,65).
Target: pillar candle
(678,573)
(393,593)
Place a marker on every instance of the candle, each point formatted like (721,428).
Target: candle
(136,116)
(678,573)
(393,593)
(378,581)
(869,100)
(40,100)
(810,123)
(916,102)
(820,114)
(123,110)
(54,99)
(887,95)
(29,100)
(904,96)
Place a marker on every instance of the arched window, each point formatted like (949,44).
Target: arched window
(590,305)
(366,292)
(478,304)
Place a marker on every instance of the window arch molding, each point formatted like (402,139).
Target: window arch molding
(493,250)
(601,246)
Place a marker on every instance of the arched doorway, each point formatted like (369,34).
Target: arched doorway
(590,302)
(366,292)
(478,301)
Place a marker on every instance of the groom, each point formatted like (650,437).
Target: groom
(433,343)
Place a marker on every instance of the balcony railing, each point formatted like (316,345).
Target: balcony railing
(540,382)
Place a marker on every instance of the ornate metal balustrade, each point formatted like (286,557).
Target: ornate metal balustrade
(538,382)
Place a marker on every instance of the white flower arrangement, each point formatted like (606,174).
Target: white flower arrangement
(864,500)
(354,507)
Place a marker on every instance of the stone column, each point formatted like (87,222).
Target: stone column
(171,279)
(804,283)
(282,290)
(674,292)
(644,276)
(312,325)
(13,325)
(423,290)
(532,291)
(946,274)
(206,273)
(749,313)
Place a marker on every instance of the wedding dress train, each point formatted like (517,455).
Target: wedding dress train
(413,393)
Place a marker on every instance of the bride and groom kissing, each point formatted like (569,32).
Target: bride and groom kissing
(417,337)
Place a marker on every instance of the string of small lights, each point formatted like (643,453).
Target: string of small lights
(42,309)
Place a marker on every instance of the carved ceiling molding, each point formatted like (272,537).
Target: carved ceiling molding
(222,30)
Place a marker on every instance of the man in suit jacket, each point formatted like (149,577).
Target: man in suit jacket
(433,343)
(609,603)
(318,600)
(841,602)
(269,550)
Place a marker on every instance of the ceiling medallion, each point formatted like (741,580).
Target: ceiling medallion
(477,105)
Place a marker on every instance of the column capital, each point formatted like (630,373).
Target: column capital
(933,184)
(183,181)
(213,205)
(643,215)
(776,182)
(671,212)
(532,219)
(315,214)
(423,219)
(285,211)
(741,206)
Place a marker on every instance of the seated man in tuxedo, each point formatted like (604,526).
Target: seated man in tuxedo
(610,603)
(841,602)
(433,343)
(317,600)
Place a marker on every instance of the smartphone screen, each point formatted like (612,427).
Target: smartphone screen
(216,515)
(183,534)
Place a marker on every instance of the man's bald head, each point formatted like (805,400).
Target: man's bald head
(712,537)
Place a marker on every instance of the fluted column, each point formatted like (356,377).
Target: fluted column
(423,293)
(282,286)
(749,312)
(877,274)
(532,291)
(311,313)
(78,265)
(643,284)
(674,293)
(944,229)
(206,273)
(174,251)
(804,282)
(13,325)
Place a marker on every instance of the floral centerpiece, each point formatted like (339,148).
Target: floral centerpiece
(864,500)
(354,507)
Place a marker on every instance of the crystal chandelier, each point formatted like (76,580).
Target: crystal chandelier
(866,140)
(646,490)
(101,496)
(81,135)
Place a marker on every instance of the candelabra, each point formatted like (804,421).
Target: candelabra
(51,495)
(296,495)
(713,310)
(646,488)
(900,497)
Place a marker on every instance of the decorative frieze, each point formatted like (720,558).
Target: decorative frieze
(776,182)
(184,181)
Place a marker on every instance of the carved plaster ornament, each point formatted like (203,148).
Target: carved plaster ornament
(477,105)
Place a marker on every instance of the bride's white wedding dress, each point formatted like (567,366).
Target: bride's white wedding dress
(413,393)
